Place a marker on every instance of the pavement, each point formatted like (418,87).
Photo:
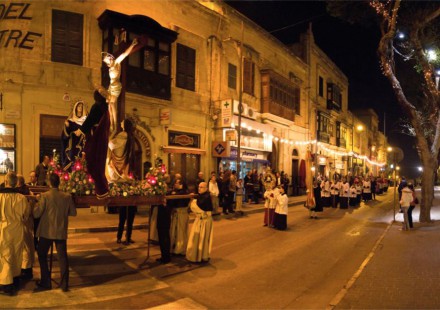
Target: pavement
(400,272)
(96,219)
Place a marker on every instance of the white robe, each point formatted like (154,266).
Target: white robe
(15,212)
(201,235)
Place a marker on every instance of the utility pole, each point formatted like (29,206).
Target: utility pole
(240,103)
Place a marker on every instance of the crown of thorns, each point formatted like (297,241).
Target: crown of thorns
(105,54)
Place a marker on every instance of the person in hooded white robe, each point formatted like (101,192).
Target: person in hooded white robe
(201,235)
(15,211)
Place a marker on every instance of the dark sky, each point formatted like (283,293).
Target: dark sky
(352,48)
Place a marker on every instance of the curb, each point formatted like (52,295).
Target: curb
(145,226)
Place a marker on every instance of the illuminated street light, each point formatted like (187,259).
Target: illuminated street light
(395,177)
(359,128)
(401,35)
(420,168)
(432,55)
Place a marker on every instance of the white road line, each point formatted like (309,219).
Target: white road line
(341,294)
(184,303)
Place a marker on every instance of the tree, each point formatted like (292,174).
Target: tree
(409,63)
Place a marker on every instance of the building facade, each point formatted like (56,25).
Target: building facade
(195,62)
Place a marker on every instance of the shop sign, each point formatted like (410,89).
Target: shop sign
(249,155)
(246,155)
(185,139)
(221,149)
(226,115)
(165,117)
(322,161)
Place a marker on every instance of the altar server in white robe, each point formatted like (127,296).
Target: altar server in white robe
(15,211)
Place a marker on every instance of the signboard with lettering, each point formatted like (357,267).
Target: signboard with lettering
(221,149)
(7,136)
(20,38)
(226,116)
(185,139)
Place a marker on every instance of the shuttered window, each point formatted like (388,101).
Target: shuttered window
(232,76)
(67,37)
(186,67)
(248,76)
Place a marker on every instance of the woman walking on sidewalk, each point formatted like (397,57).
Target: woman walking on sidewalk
(412,205)
(405,202)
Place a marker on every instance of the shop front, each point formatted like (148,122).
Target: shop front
(184,156)
(249,160)
(255,147)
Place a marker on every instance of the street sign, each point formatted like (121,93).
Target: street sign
(221,149)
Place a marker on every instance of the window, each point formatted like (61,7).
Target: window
(186,67)
(248,76)
(321,87)
(334,97)
(148,68)
(67,37)
(154,57)
(324,124)
(279,95)
(232,76)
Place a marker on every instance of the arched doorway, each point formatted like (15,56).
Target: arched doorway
(142,153)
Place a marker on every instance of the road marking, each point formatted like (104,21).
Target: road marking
(184,303)
(341,294)
(101,292)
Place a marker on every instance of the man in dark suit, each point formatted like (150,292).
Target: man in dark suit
(53,209)
(41,171)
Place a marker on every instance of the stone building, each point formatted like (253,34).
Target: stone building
(179,86)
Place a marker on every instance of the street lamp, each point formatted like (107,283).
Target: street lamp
(239,46)
(394,167)
(359,128)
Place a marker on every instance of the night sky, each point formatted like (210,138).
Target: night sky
(352,48)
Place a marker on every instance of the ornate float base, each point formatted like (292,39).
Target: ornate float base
(87,201)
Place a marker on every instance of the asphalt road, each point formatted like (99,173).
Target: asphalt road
(251,266)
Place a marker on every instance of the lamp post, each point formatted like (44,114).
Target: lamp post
(359,128)
(394,166)
(239,46)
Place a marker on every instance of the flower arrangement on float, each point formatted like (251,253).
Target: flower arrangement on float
(80,183)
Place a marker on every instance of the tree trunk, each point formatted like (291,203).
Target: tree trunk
(427,193)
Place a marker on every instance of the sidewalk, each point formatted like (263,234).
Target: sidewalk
(95,219)
(401,271)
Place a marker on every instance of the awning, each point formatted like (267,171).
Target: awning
(183,150)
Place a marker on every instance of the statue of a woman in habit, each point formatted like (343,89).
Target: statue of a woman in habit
(73,145)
